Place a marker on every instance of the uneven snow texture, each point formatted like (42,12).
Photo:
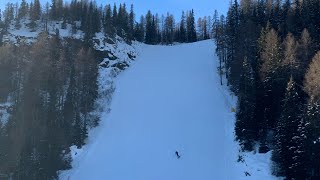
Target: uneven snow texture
(4,113)
(169,100)
(28,36)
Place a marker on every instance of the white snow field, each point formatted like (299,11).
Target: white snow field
(169,100)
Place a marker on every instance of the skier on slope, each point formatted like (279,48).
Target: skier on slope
(177,154)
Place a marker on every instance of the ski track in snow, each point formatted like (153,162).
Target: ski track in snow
(169,100)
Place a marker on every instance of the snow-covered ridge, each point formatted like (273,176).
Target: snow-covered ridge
(117,53)
(119,56)
(28,35)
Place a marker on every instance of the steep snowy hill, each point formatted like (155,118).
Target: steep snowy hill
(169,100)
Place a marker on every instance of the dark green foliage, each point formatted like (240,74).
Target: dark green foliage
(56,11)
(150,29)
(311,87)
(182,29)
(108,23)
(245,124)
(168,35)
(139,30)
(278,39)
(313,141)
(8,15)
(23,10)
(90,22)
(232,28)
(191,27)
(289,152)
(122,21)
(35,13)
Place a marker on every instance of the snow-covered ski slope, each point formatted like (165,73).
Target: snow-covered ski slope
(169,100)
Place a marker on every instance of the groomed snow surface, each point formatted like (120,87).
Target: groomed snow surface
(169,100)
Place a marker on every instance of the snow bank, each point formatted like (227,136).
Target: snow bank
(29,35)
(5,113)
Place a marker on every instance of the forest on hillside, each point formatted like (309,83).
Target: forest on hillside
(48,88)
(40,89)
(269,52)
(112,20)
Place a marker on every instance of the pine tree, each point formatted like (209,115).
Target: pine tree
(297,18)
(191,28)
(8,15)
(122,24)
(153,30)
(36,11)
(183,31)
(273,62)
(54,11)
(96,19)
(288,153)
(200,29)
(115,15)
(313,138)
(131,23)
(205,28)
(232,29)
(149,27)
(311,87)
(23,10)
(169,29)
(157,29)
(270,59)
(219,36)
(108,23)
(215,24)
(245,128)
(120,19)
(140,30)
(17,19)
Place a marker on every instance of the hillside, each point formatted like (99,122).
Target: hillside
(169,100)
(90,91)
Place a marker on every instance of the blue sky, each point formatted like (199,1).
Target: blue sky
(201,7)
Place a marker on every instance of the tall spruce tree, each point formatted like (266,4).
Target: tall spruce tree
(245,128)
(108,23)
(311,86)
(36,10)
(23,9)
(182,28)
(274,57)
(139,31)
(270,59)
(131,23)
(232,25)
(290,135)
(191,28)
(149,28)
